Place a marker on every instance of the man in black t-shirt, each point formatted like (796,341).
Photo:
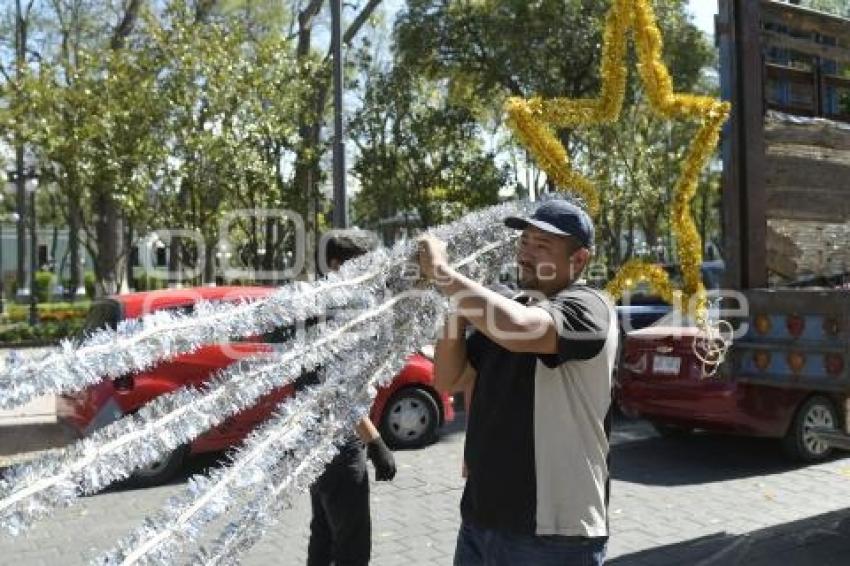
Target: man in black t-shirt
(341,528)
(536,452)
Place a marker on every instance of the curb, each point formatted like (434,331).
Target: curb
(25,438)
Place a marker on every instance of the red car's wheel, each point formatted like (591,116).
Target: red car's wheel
(410,419)
(160,472)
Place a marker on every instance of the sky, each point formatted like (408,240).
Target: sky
(703,11)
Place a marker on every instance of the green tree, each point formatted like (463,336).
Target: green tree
(194,119)
(491,49)
(89,118)
(636,164)
(234,96)
(546,48)
(418,152)
(837,7)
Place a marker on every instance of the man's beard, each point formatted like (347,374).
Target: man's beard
(527,280)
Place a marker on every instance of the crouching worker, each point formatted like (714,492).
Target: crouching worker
(341,527)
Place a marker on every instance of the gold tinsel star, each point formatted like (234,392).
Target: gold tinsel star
(533,121)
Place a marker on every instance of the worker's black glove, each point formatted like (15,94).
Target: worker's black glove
(382,458)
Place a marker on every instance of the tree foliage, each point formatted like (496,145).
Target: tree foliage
(418,152)
(837,7)
(490,49)
(191,120)
(149,115)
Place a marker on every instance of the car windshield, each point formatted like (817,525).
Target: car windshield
(712,278)
(712,273)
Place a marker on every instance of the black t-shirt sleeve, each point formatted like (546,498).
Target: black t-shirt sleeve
(476,342)
(582,318)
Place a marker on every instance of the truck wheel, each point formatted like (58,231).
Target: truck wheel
(410,419)
(160,472)
(800,443)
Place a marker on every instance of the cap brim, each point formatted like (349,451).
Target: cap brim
(518,223)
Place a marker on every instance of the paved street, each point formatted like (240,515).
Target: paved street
(704,500)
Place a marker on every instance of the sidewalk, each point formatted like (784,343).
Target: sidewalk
(32,428)
(28,430)
(39,411)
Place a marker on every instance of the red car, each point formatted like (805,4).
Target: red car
(408,412)
(660,379)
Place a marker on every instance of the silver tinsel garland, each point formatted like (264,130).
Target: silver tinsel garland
(159,540)
(306,424)
(139,344)
(33,489)
(270,501)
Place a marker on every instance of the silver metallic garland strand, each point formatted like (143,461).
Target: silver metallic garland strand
(158,541)
(267,504)
(303,423)
(141,343)
(34,489)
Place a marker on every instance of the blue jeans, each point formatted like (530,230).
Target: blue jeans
(486,547)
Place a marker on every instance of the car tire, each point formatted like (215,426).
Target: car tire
(671,431)
(799,443)
(161,472)
(410,420)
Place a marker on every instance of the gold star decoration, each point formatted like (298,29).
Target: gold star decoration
(534,120)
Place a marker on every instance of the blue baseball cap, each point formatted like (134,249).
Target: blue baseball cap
(560,217)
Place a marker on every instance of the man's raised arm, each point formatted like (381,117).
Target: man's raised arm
(513,326)
(451,363)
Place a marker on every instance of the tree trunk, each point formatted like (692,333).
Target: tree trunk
(203,10)
(706,193)
(306,160)
(107,223)
(128,246)
(650,231)
(20,189)
(108,242)
(74,247)
(176,251)
(175,274)
(70,184)
(125,27)
(209,262)
(175,245)
(271,246)
(57,272)
(630,245)
(21,205)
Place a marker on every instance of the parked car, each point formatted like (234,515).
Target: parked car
(640,312)
(661,379)
(640,309)
(408,412)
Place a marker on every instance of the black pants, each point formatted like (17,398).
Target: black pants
(341,529)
